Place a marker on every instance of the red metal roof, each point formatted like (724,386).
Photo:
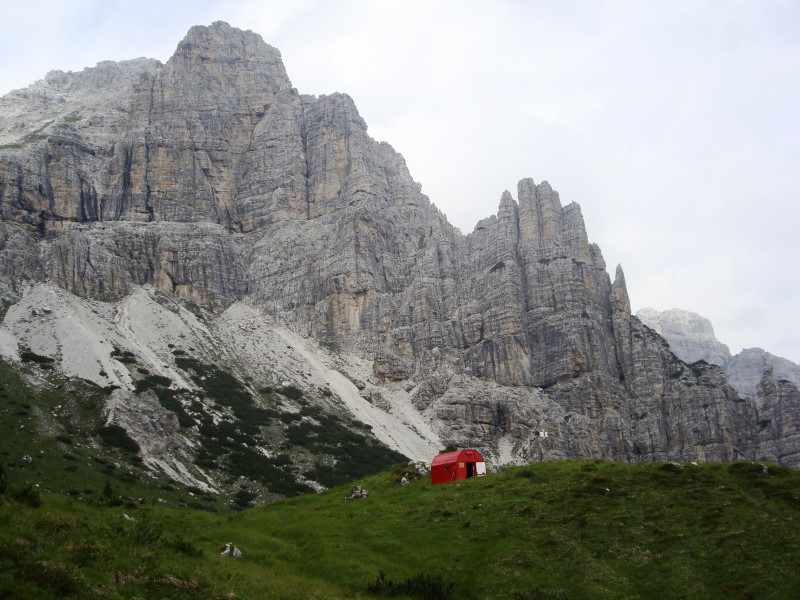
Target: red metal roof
(459,455)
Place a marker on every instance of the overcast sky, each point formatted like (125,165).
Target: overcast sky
(675,124)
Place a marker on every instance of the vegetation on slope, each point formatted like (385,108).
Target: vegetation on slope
(578,529)
(257,446)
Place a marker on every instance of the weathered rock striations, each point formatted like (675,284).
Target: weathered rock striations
(779,419)
(212,179)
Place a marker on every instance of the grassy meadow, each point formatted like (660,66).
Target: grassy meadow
(576,529)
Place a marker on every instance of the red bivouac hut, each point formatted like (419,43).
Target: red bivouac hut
(461,464)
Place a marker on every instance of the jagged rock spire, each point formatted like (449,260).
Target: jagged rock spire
(620,291)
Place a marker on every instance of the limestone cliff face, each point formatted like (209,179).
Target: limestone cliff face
(779,418)
(212,179)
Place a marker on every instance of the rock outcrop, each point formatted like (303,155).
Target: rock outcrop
(779,419)
(746,370)
(215,182)
(690,336)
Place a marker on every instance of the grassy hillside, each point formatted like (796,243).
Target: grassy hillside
(582,529)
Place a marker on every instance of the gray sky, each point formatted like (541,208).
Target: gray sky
(675,124)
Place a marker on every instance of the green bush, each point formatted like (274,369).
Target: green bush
(169,399)
(114,435)
(146,531)
(123,356)
(290,392)
(243,498)
(272,472)
(422,586)
(184,546)
(152,382)
(188,363)
(27,494)
(228,391)
(28,356)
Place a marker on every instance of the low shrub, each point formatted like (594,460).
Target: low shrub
(290,392)
(422,586)
(27,494)
(244,497)
(28,356)
(183,546)
(114,435)
(146,531)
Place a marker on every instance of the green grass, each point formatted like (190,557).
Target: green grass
(576,529)
(29,138)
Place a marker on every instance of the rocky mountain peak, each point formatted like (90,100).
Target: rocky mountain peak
(540,209)
(207,50)
(212,182)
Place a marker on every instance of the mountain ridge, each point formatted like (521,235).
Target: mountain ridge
(211,182)
(692,338)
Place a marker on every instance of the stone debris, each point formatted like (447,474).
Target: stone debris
(423,469)
(356,493)
(230,550)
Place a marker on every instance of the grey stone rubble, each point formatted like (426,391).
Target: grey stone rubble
(230,550)
(357,493)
